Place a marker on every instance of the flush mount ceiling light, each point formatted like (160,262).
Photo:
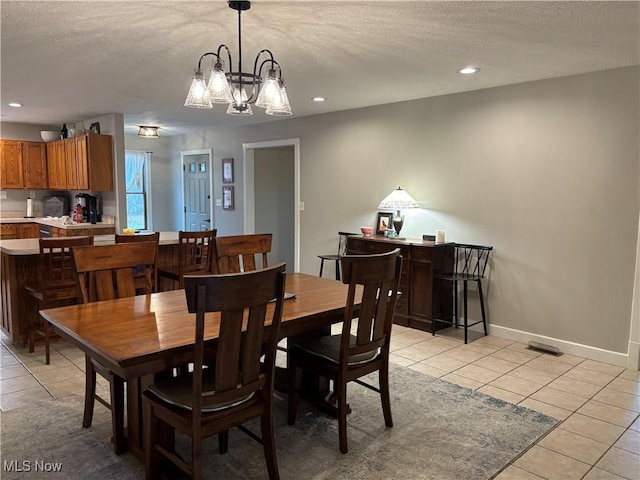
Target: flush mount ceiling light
(15,104)
(237,88)
(318,99)
(468,70)
(148,132)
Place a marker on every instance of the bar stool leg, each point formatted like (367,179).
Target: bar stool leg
(455,303)
(436,312)
(484,321)
(464,300)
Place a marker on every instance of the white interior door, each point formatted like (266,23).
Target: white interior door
(197,179)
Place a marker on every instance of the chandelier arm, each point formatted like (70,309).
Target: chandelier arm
(270,59)
(228,55)
(204,55)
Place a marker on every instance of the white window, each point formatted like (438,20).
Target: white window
(138,193)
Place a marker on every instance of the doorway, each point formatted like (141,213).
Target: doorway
(197,178)
(273,205)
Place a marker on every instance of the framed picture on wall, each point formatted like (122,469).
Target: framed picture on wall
(227,198)
(227,170)
(384,223)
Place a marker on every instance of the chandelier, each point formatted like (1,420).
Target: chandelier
(237,88)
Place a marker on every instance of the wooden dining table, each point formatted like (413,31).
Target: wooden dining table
(138,337)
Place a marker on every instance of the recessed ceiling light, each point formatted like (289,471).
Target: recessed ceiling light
(318,99)
(15,104)
(468,70)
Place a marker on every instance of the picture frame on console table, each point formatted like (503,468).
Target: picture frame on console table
(384,222)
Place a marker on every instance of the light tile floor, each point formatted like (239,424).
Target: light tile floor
(598,403)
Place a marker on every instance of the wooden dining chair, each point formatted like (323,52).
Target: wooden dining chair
(106,272)
(195,256)
(345,358)
(56,285)
(238,253)
(236,387)
(139,273)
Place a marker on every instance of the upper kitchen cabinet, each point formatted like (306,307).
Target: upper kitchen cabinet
(22,164)
(84,162)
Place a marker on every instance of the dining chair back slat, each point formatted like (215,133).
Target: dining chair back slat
(238,253)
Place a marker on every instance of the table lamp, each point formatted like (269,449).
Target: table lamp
(398,200)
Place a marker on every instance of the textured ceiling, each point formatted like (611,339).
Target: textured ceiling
(70,61)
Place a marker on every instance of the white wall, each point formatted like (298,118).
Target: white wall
(546,172)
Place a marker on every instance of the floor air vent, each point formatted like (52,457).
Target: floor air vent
(544,348)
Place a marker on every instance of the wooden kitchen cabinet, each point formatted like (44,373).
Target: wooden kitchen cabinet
(10,231)
(84,162)
(415,306)
(23,164)
(56,165)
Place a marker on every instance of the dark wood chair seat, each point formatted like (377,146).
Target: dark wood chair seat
(56,286)
(346,358)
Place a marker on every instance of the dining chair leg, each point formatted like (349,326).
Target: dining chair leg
(455,303)
(437,314)
(196,456)
(341,393)
(223,441)
(152,458)
(337,269)
(268,444)
(47,351)
(117,413)
(321,266)
(89,392)
(294,387)
(385,396)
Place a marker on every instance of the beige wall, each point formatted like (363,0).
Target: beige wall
(547,172)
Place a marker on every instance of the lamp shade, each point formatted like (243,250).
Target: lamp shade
(399,199)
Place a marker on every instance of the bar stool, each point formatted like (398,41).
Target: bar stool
(56,285)
(195,256)
(342,249)
(469,264)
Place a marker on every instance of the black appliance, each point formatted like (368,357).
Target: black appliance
(55,205)
(91,207)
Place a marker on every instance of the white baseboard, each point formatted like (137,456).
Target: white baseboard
(586,351)
(634,356)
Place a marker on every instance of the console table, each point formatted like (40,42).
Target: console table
(415,307)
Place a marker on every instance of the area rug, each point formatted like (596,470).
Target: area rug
(441,431)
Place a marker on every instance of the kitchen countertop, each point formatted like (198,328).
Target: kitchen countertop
(56,222)
(31,246)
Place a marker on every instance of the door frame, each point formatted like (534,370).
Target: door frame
(249,193)
(186,153)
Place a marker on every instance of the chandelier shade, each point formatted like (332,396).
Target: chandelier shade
(264,87)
